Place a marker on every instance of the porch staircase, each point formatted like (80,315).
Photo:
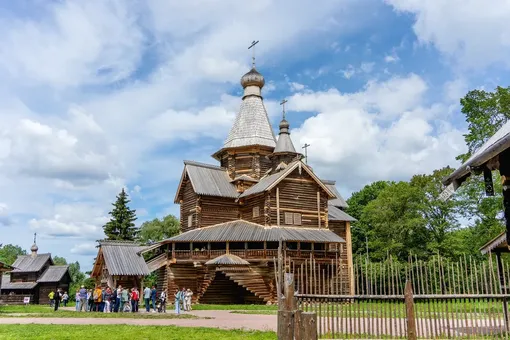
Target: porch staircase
(252,281)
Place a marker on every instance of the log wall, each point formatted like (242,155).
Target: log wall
(216,210)
(188,206)
(297,193)
(247,208)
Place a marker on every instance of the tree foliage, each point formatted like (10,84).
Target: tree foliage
(9,253)
(485,113)
(121,225)
(157,230)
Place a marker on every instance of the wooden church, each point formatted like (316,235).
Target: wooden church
(233,215)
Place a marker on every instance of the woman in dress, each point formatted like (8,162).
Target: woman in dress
(177,301)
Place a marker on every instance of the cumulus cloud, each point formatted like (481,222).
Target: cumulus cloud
(87,249)
(386,131)
(472,33)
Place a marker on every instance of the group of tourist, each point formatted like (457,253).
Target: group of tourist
(107,299)
(183,300)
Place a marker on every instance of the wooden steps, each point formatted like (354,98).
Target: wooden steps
(251,281)
(157,262)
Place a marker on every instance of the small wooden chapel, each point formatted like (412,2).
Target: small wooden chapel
(234,214)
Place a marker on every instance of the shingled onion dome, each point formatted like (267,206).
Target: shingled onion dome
(34,248)
(252,78)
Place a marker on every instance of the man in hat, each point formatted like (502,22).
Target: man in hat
(83,298)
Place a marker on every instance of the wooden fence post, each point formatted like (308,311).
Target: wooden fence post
(287,309)
(409,301)
(308,326)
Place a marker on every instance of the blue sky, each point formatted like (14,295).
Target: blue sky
(105,94)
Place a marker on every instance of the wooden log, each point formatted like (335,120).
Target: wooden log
(285,328)
(297,325)
(411,322)
(308,329)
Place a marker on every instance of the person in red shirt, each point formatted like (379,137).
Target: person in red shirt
(134,299)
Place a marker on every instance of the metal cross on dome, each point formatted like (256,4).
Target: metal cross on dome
(282,103)
(253,43)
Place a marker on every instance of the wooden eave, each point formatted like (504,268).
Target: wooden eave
(303,166)
(96,268)
(179,187)
(262,149)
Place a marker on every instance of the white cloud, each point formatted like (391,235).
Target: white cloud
(391,58)
(473,33)
(87,248)
(348,134)
(367,67)
(79,220)
(295,87)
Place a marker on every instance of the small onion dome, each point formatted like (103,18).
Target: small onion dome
(252,78)
(284,124)
(34,248)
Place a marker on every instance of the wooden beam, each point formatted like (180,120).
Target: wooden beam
(504,170)
(350,268)
(277,206)
(319,208)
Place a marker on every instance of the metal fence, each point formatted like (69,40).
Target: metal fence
(433,299)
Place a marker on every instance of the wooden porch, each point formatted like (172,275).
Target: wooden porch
(254,254)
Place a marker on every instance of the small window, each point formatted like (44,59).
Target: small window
(297,219)
(256,211)
(288,218)
(190,220)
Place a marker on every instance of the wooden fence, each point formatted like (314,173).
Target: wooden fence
(434,299)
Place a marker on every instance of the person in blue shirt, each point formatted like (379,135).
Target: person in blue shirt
(146,298)
(177,301)
(154,294)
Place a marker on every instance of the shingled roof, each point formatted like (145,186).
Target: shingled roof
(339,200)
(244,231)
(31,263)
(54,274)
(4,267)
(336,214)
(227,260)
(208,180)
(122,258)
(7,284)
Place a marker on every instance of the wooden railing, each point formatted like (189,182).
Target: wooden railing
(253,254)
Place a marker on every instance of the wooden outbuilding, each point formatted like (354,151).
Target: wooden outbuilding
(119,263)
(35,275)
(233,215)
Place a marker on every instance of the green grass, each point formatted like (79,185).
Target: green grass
(235,307)
(122,332)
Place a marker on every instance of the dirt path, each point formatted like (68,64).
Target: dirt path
(219,319)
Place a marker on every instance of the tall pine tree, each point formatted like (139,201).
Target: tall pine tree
(121,225)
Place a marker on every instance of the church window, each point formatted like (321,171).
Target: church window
(297,219)
(288,218)
(256,211)
(190,220)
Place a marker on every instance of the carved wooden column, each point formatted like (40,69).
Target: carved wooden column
(267,209)
(231,166)
(504,170)
(255,165)
(198,209)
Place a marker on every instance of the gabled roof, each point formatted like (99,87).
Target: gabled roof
(499,142)
(251,126)
(122,258)
(208,180)
(336,214)
(29,263)
(245,178)
(498,243)
(244,231)
(228,260)
(339,200)
(54,274)
(7,284)
(269,182)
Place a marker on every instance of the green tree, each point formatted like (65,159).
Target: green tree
(157,230)
(440,217)
(59,261)
(396,225)
(357,203)
(121,225)
(9,253)
(485,113)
